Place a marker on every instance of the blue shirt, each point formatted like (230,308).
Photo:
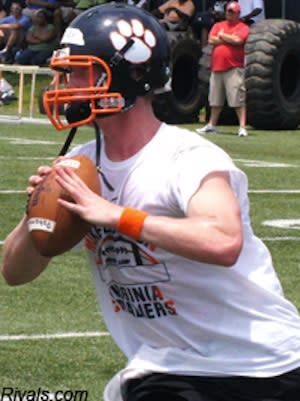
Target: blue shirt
(24,21)
(36,7)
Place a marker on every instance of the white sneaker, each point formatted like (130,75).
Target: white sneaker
(207,129)
(3,54)
(242,132)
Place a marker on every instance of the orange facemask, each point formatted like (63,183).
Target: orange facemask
(80,80)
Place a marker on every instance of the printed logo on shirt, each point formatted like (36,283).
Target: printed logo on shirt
(132,273)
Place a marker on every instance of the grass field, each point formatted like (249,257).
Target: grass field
(41,82)
(52,336)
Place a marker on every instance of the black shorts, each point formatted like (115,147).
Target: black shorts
(165,387)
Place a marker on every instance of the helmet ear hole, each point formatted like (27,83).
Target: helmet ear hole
(137,73)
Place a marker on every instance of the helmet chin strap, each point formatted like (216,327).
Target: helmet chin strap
(98,154)
(69,140)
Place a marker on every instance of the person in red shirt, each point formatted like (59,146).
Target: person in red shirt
(227,65)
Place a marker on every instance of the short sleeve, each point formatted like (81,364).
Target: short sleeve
(193,166)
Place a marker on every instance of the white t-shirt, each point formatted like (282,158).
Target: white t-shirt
(168,313)
(247,6)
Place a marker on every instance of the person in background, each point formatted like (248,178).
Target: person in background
(33,5)
(187,290)
(83,5)
(175,14)
(252,11)
(13,29)
(6,4)
(64,14)
(139,3)
(154,4)
(227,69)
(3,12)
(203,21)
(41,40)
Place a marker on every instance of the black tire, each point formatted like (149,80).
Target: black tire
(204,71)
(272,75)
(183,103)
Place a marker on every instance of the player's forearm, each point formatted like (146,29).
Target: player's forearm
(194,238)
(21,262)
(253,13)
(9,26)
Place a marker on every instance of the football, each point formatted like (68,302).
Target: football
(53,228)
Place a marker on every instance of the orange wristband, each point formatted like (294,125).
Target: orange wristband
(131,222)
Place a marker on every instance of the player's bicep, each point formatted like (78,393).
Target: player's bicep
(216,201)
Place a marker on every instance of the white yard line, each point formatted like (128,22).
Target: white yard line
(25,158)
(274,239)
(274,191)
(26,141)
(12,191)
(54,336)
(265,164)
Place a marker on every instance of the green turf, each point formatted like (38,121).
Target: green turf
(41,82)
(63,299)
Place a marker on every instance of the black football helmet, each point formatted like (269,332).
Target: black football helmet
(123,53)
